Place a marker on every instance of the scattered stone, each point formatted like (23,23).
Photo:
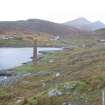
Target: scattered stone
(27,74)
(42,73)
(51,60)
(69,86)
(66,86)
(66,103)
(83,46)
(54,92)
(19,100)
(5,77)
(101,40)
(42,80)
(57,74)
(43,84)
(26,82)
(7,72)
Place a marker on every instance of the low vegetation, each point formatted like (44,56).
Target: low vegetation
(78,72)
(81,79)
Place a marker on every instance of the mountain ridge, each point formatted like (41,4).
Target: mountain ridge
(83,23)
(37,25)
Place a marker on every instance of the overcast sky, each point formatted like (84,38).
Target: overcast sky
(53,10)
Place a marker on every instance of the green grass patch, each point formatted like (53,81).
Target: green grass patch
(31,68)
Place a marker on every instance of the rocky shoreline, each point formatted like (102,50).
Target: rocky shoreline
(9,72)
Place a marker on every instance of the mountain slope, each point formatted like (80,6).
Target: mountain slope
(78,22)
(36,25)
(97,25)
(84,24)
(100,33)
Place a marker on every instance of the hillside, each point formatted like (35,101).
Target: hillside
(101,30)
(100,33)
(81,70)
(36,25)
(97,25)
(78,22)
(84,24)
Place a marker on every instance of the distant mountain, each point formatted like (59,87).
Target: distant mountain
(78,22)
(84,24)
(97,25)
(36,25)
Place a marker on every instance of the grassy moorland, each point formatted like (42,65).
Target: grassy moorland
(78,73)
(26,40)
(44,39)
(82,69)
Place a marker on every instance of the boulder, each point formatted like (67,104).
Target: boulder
(54,92)
(57,74)
(66,103)
(69,86)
